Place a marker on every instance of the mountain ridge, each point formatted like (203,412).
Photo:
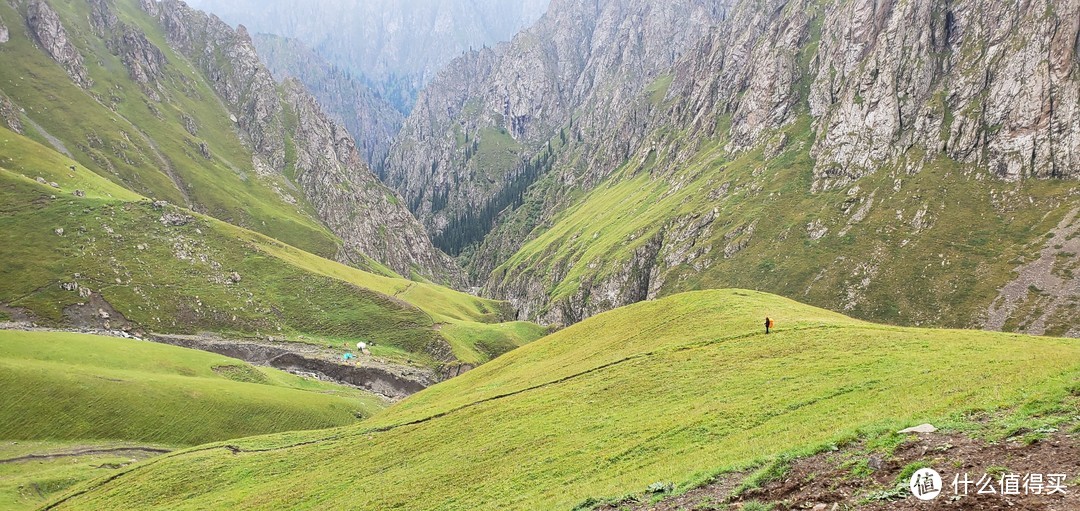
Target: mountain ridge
(372,121)
(820,150)
(395,49)
(179,190)
(250,91)
(491,111)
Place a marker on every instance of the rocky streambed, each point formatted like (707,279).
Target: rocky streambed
(392,381)
(389,380)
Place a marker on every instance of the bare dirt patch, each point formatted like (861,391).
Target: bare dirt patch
(832,480)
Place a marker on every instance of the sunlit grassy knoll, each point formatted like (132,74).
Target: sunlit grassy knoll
(71,393)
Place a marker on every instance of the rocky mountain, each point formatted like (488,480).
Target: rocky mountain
(480,132)
(395,47)
(372,121)
(155,179)
(908,162)
(49,33)
(369,218)
(174,104)
(327,167)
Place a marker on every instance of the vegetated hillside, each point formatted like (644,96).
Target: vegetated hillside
(175,105)
(906,162)
(673,390)
(89,253)
(372,121)
(483,131)
(66,387)
(114,399)
(395,47)
(26,483)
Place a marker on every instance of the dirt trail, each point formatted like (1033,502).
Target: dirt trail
(85,452)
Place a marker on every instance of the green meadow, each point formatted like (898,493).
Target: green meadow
(72,393)
(141,144)
(675,391)
(64,387)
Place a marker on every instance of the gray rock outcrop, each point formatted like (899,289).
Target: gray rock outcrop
(993,87)
(145,61)
(49,33)
(372,121)
(490,110)
(228,59)
(9,115)
(327,164)
(324,161)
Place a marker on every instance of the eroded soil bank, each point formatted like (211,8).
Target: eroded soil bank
(850,479)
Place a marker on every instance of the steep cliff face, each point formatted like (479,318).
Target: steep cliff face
(988,84)
(229,60)
(145,61)
(368,216)
(428,159)
(372,121)
(49,33)
(477,128)
(985,83)
(301,142)
(827,150)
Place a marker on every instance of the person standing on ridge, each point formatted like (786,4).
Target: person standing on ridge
(768,324)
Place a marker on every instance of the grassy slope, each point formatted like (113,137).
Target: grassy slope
(71,392)
(671,390)
(101,127)
(942,268)
(176,279)
(25,485)
(65,387)
(943,272)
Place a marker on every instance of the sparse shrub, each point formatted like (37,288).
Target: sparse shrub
(660,487)
(899,491)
